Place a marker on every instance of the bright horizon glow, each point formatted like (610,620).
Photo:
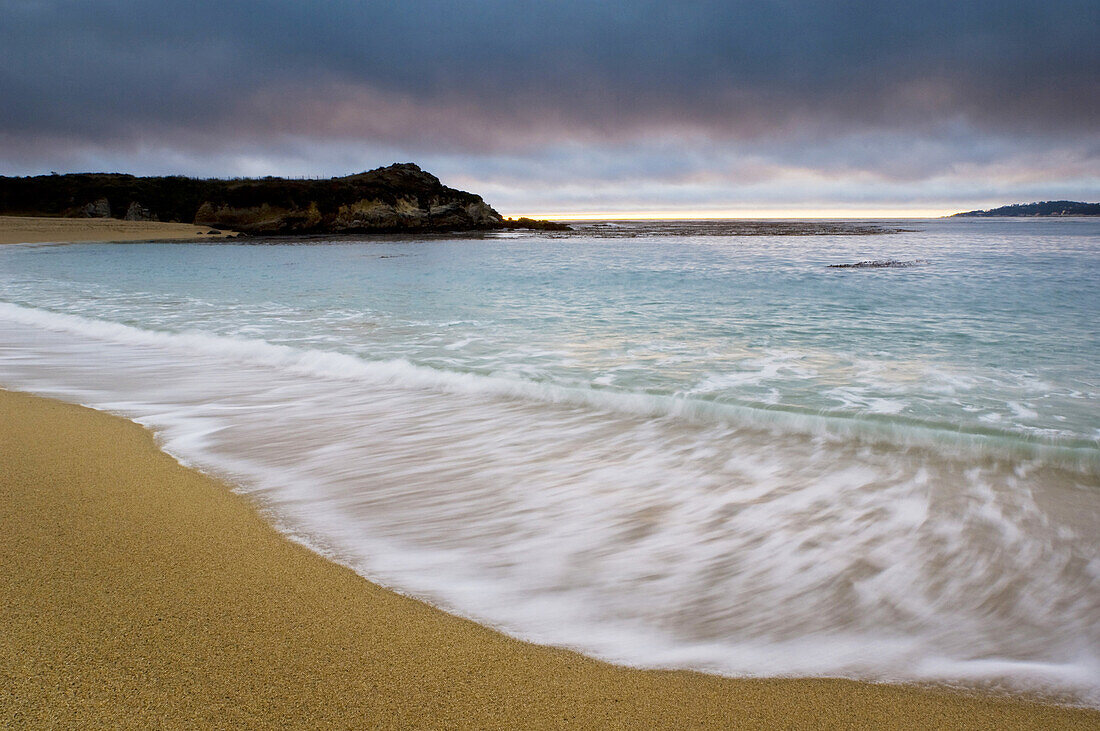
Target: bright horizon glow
(740,214)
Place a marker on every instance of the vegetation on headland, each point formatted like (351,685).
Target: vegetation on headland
(1042,208)
(394,199)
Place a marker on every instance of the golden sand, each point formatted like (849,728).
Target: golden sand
(37,230)
(138,593)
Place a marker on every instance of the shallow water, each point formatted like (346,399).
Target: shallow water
(670,447)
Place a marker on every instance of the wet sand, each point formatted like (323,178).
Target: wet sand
(37,230)
(137,593)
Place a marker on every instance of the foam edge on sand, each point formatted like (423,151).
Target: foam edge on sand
(137,592)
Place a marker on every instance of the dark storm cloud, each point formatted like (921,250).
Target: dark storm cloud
(493,74)
(554,106)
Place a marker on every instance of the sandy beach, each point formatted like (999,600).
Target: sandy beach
(37,230)
(137,592)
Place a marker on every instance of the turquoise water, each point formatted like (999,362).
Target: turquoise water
(657,444)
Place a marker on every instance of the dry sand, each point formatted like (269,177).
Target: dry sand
(138,593)
(37,230)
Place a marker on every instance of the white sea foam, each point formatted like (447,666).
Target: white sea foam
(645,529)
(1079,454)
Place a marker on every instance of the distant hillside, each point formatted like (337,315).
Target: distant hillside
(1044,208)
(398,198)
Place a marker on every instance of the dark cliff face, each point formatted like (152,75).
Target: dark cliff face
(401,197)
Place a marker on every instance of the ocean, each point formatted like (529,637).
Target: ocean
(665,445)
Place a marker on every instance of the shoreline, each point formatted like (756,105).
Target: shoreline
(138,591)
(47,230)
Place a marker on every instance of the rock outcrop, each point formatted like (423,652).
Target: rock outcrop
(99,208)
(536,225)
(393,199)
(138,212)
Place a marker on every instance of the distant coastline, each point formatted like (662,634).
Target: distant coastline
(1032,210)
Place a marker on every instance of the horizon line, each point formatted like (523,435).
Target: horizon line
(697,215)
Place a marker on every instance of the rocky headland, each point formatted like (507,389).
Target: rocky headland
(395,199)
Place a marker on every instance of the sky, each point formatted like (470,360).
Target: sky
(570,108)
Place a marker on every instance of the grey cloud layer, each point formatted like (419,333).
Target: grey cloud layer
(727,68)
(683,92)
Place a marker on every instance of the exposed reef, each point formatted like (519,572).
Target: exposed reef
(396,199)
(727,227)
(880,264)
